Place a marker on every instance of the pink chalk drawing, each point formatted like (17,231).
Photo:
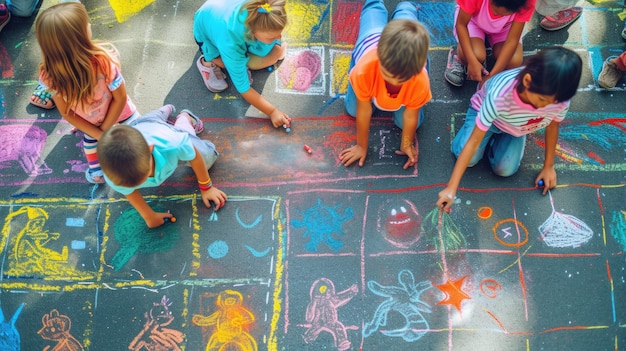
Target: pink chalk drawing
(24,144)
(561,230)
(56,327)
(300,70)
(6,66)
(155,335)
(321,313)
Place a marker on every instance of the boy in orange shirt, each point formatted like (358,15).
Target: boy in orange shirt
(389,70)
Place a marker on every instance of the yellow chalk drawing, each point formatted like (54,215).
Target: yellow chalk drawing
(303,17)
(231,322)
(27,251)
(339,75)
(125,9)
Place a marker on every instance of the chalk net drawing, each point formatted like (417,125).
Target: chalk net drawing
(562,230)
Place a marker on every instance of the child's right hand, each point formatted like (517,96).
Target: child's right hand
(279,119)
(475,71)
(351,154)
(158,219)
(411,153)
(446,198)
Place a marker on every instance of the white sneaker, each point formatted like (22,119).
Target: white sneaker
(611,74)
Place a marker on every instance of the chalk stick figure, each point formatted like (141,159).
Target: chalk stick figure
(321,312)
(230,320)
(155,335)
(56,327)
(405,300)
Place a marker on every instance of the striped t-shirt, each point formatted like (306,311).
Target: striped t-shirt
(498,103)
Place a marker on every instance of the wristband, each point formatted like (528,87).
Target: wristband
(208,181)
(205,187)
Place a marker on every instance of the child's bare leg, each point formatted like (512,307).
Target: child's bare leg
(217,61)
(517,58)
(478,48)
(260,62)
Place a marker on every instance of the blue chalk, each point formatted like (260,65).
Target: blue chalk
(270,68)
(288,130)
(540,183)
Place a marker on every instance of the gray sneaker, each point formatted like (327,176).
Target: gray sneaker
(455,71)
(611,74)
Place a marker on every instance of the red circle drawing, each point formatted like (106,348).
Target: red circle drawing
(510,231)
(490,288)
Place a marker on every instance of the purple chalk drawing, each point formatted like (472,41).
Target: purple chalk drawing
(24,143)
(321,313)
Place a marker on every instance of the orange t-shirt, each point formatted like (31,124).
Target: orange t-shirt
(368,85)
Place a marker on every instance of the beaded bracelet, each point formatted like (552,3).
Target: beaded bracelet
(205,187)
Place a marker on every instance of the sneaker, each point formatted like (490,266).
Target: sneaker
(561,19)
(455,71)
(213,77)
(611,74)
(5,16)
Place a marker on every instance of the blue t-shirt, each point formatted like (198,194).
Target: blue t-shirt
(219,28)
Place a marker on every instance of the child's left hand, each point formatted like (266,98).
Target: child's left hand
(216,195)
(411,153)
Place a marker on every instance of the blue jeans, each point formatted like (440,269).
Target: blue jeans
(21,8)
(504,150)
(372,22)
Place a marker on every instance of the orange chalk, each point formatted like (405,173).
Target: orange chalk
(308,149)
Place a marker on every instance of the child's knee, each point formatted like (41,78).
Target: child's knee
(505,170)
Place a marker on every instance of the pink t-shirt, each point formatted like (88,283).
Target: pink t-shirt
(96,109)
(491,23)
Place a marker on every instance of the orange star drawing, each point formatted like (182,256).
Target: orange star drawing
(454,293)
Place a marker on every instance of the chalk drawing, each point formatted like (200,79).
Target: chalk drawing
(155,335)
(490,288)
(510,232)
(231,322)
(9,336)
(125,9)
(56,327)
(321,312)
(405,300)
(135,237)
(399,222)
(25,238)
(561,230)
(24,144)
(454,294)
(6,65)
(618,228)
(346,22)
(485,212)
(245,225)
(301,72)
(218,249)
(321,222)
(450,238)
(438,18)
(309,16)
(339,65)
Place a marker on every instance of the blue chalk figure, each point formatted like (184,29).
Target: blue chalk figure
(9,337)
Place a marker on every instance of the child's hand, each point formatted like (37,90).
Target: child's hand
(475,71)
(351,154)
(279,119)
(446,198)
(549,179)
(216,195)
(157,219)
(411,153)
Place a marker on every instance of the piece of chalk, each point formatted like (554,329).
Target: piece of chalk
(540,183)
(270,68)
(308,149)
(288,130)
(167,219)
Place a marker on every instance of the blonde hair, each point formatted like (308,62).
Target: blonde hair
(403,48)
(124,156)
(265,16)
(71,60)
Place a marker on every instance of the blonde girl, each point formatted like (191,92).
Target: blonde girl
(83,77)
(239,35)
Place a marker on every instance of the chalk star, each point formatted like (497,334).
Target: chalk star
(454,293)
